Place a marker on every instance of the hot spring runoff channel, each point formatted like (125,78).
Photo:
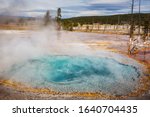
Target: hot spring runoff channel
(77,74)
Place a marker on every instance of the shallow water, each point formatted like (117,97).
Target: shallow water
(77,74)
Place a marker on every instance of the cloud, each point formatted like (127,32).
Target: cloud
(107,1)
(70,8)
(93,13)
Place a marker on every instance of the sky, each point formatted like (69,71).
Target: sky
(70,8)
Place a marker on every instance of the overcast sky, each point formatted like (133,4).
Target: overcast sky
(70,8)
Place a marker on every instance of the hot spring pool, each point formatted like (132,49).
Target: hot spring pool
(77,74)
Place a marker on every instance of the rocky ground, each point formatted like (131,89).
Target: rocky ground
(114,43)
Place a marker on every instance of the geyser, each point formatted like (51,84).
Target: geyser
(77,74)
(40,60)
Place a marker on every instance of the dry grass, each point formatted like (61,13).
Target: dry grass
(14,27)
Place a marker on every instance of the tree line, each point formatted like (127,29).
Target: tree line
(113,20)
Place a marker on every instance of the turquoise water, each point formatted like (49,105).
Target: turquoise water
(77,73)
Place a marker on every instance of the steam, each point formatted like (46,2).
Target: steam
(19,50)
(13,7)
(17,46)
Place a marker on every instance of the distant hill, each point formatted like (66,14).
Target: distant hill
(113,19)
(13,19)
(71,22)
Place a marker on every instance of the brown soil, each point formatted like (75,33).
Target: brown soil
(17,91)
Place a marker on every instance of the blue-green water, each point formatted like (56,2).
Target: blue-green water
(77,73)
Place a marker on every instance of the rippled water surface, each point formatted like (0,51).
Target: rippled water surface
(78,73)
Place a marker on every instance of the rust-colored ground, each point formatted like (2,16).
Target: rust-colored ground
(13,90)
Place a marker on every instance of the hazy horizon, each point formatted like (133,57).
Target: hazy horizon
(74,8)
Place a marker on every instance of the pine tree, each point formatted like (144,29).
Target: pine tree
(59,13)
(58,18)
(47,18)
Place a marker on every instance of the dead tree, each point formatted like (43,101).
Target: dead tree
(132,21)
(145,30)
(130,48)
(139,30)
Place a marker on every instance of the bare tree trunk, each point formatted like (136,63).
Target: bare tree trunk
(139,31)
(132,21)
(98,26)
(105,26)
(131,28)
